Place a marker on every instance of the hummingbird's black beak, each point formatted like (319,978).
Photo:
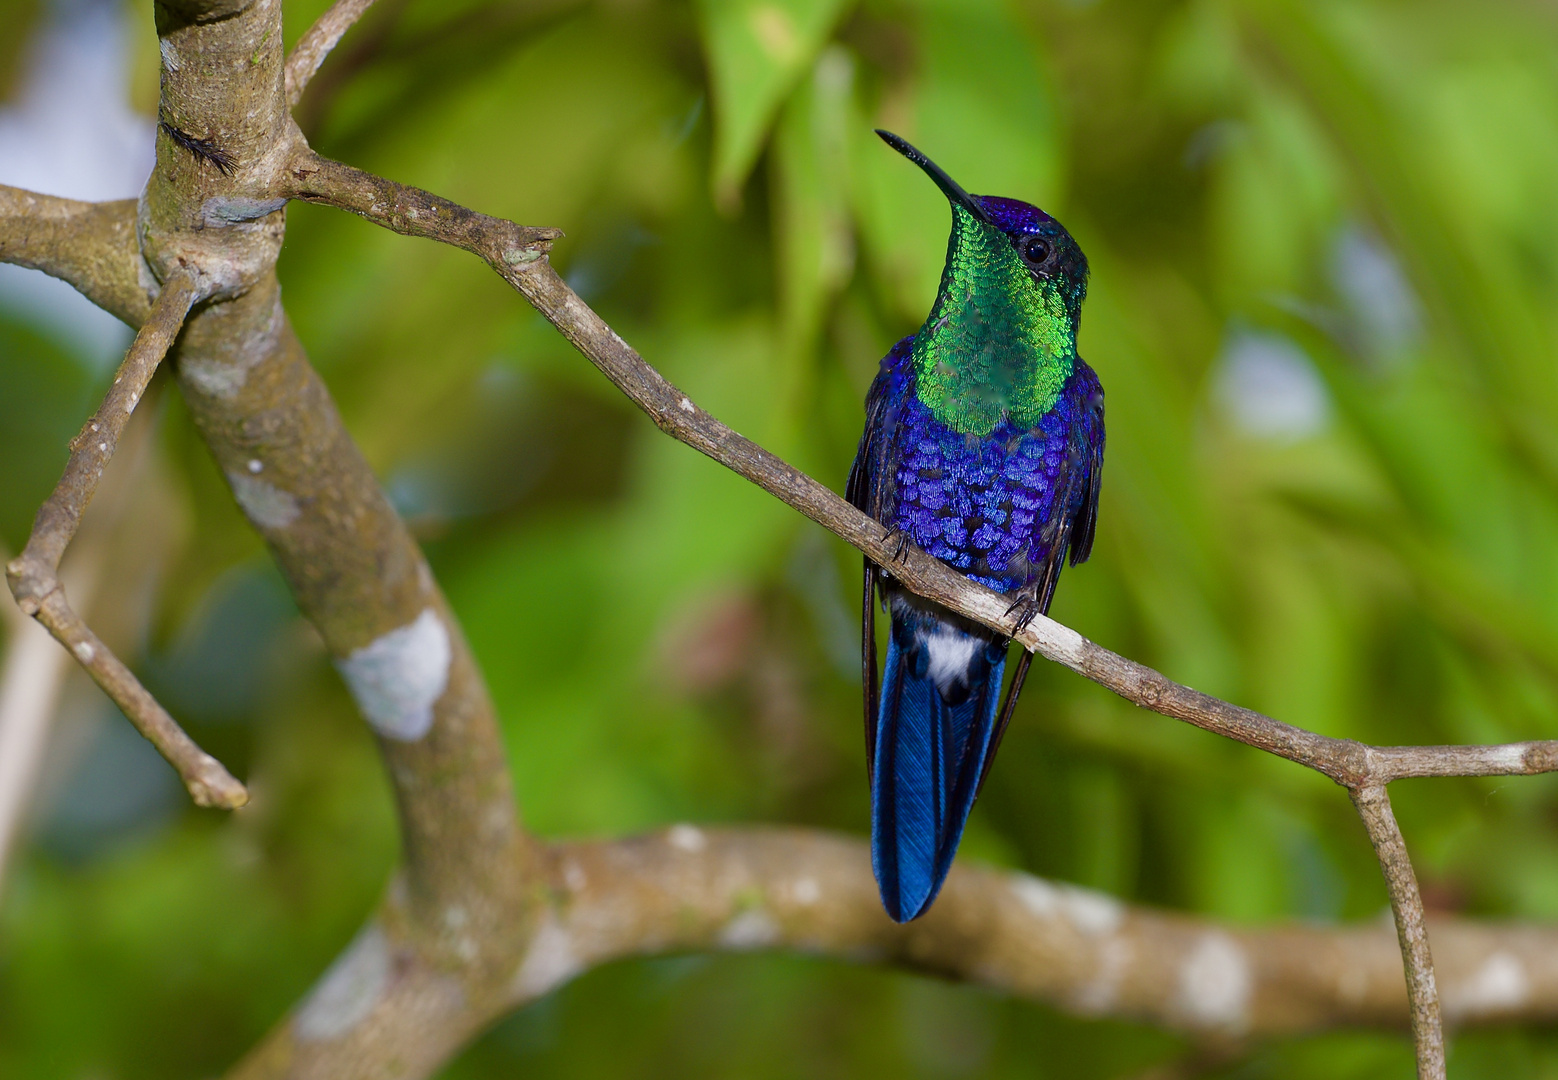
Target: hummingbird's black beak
(949,186)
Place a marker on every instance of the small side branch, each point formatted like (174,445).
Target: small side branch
(34,575)
(316,43)
(411,211)
(88,245)
(1406,903)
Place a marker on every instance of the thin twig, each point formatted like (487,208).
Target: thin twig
(316,43)
(517,253)
(35,665)
(34,575)
(411,211)
(1406,903)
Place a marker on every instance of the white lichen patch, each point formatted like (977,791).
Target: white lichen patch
(456,919)
(267,506)
(752,929)
(1099,993)
(549,962)
(688,838)
(574,876)
(223,211)
(349,990)
(1511,757)
(213,378)
(1215,984)
(1091,912)
(223,374)
(1499,985)
(1060,641)
(398,678)
(85,652)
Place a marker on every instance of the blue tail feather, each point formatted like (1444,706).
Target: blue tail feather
(940,691)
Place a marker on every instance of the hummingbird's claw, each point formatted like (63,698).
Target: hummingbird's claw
(900,541)
(1025,608)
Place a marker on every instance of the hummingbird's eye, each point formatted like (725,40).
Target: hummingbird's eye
(1035,251)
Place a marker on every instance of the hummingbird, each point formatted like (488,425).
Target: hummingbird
(983,445)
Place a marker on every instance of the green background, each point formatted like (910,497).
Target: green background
(666,643)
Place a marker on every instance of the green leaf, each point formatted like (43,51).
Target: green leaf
(757,50)
(814,240)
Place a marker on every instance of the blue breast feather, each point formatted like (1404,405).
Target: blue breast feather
(1000,507)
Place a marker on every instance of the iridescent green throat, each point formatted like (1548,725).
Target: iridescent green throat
(998,343)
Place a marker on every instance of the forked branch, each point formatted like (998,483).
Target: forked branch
(34,574)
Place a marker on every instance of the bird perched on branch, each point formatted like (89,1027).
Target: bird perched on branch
(984,445)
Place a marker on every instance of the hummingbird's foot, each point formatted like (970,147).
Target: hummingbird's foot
(900,542)
(1024,608)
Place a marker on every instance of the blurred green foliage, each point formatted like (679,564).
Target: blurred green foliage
(1324,242)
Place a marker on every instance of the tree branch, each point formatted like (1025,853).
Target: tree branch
(35,666)
(30,684)
(517,254)
(91,246)
(411,211)
(33,575)
(1406,904)
(1085,952)
(688,889)
(316,43)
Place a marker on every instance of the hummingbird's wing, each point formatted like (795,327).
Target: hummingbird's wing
(866,489)
(1091,436)
(871,473)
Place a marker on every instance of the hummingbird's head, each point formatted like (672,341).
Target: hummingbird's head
(1043,245)
(1001,337)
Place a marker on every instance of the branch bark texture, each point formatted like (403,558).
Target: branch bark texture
(90,246)
(1406,905)
(691,889)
